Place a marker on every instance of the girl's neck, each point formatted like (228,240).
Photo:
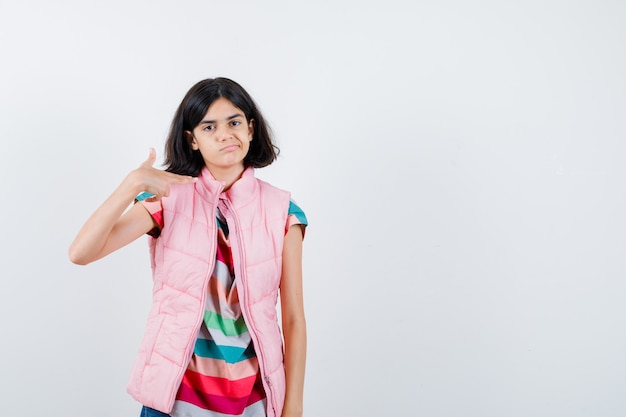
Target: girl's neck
(226,175)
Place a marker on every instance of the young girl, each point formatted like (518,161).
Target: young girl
(223,246)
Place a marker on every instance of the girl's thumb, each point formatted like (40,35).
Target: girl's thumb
(151,158)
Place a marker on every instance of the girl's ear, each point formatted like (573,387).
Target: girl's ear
(191,140)
(251,128)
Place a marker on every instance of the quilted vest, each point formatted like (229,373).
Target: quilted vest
(182,260)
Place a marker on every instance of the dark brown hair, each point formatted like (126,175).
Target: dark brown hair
(180,158)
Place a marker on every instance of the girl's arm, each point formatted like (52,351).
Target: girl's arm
(109,228)
(293,321)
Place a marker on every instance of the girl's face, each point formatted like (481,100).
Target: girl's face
(223,136)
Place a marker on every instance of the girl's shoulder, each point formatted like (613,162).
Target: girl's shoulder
(297,214)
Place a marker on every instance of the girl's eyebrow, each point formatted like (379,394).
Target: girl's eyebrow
(234,116)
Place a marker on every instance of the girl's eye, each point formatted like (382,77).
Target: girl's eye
(235,123)
(209,127)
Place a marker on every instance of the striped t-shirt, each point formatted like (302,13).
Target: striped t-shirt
(222,378)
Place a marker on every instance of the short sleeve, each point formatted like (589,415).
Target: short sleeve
(296,216)
(155,208)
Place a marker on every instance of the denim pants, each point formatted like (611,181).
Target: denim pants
(151,412)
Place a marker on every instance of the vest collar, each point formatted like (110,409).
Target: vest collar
(240,193)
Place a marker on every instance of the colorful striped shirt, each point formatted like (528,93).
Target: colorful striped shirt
(222,378)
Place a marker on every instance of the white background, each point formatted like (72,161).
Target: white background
(461,164)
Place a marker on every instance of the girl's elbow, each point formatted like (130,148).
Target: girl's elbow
(294,321)
(76,257)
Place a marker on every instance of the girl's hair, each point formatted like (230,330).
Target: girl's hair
(181,159)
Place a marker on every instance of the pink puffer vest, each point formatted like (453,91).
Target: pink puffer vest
(183,257)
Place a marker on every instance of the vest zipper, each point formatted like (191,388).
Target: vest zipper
(238,261)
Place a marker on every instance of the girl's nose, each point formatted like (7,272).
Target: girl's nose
(222,133)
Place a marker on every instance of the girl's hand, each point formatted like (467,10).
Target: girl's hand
(111,227)
(146,178)
(290,413)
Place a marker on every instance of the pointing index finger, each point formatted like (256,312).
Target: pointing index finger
(180,179)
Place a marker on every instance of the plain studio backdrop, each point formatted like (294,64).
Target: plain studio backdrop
(461,165)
